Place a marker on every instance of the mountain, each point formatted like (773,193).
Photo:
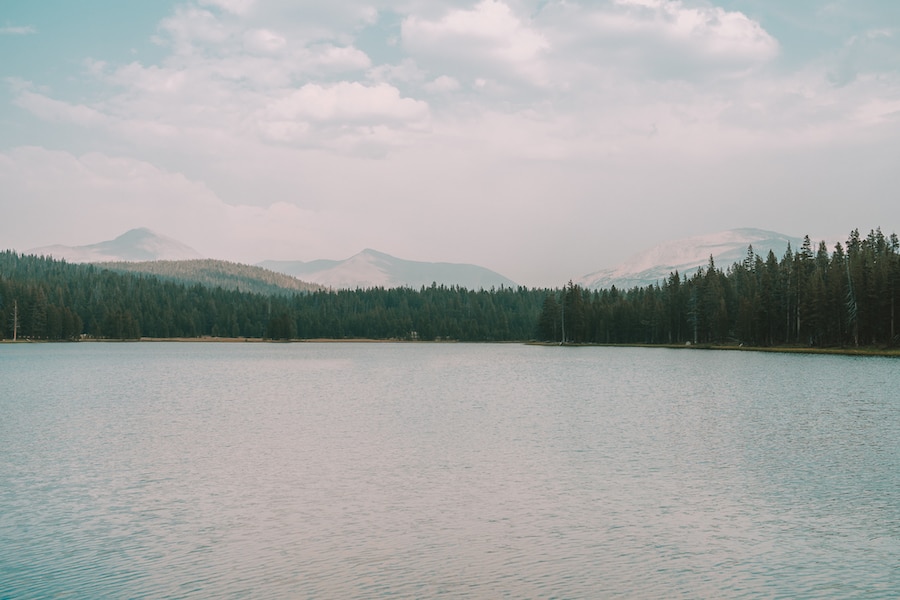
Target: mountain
(217,273)
(134,245)
(375,269)
(687,255)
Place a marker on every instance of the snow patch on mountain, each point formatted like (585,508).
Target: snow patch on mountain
(371,268)
(135,245)
(687,255)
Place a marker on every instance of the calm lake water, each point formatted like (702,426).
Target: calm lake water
(167,470)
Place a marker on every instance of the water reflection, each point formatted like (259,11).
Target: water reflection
(359,471)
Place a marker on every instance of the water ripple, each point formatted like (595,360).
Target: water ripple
(458,471)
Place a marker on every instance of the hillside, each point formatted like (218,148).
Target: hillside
(217,273)
(687,255)
(47,299)
(134,245)
(371,268)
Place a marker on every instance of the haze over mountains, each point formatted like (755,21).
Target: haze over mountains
(367,269)
(687,255)
(217,273)
(371,268)
(133,245)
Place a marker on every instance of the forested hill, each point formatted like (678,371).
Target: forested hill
(217,273)
(808,297)
(41,298)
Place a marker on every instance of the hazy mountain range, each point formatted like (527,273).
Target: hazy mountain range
(371,268)
(217,273)
(687,255)
(134,245)
(367,269)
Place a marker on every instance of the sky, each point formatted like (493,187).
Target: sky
(543,139)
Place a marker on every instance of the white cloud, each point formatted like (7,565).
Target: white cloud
(874,50)
(405,72)
(490,38)
(708,30)
(442,85)
(662,39)
(329,58)
(346,117)
(145,80)
(250,80)
(17,30)
(213,92)
(238,7)
(263,41)
(56,110)
(879,111)
(348,102)
(191,27)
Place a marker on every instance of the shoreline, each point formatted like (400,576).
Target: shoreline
(860,351)
(237,340)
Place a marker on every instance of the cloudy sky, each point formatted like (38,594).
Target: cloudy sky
(543,139)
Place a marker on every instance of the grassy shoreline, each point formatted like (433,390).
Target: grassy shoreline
(226,340)
(860,351)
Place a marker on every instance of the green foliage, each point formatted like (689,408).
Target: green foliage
(808,298)
(217,273)
(57,300)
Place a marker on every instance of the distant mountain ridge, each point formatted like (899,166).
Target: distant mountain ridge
(142,247)
(687,255)
(218,273)
(139,244)
(371,268)
(138,249)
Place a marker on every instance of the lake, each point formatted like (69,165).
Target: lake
(353,470)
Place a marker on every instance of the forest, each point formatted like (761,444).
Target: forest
(217,273)
(46,299)
(808,297)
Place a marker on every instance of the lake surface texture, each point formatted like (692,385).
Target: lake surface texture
(167,470)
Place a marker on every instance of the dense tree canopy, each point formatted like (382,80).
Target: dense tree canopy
(809,297)
(55,300)
(217,273)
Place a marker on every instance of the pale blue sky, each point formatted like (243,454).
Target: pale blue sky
(543,139)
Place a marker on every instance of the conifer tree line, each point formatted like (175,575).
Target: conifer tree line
(46,299)
(808,297)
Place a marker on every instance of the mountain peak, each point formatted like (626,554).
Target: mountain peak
(687,255)
(140,244)
(371,268)
(137,233)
